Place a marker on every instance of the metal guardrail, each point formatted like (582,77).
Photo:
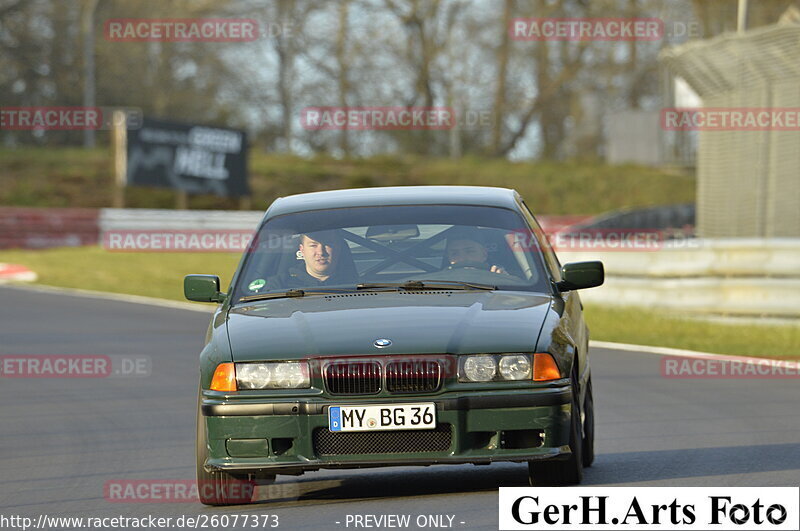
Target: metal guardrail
(679,216)
(739,257)
(713,296)
(158,219)
(41,228)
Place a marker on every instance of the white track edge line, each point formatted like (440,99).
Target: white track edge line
(666,351)
(120,297)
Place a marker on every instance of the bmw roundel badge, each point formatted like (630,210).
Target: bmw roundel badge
(382,343)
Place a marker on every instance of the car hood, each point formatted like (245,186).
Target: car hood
(416,323)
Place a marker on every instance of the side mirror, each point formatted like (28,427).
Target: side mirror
(202,288)
(580,275)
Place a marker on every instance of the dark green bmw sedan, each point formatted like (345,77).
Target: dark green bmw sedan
(415,325)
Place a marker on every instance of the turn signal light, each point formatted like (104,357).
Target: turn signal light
(224,378)
(544,367)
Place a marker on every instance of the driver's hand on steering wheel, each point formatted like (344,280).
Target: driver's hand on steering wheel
(466,264)
(467,253)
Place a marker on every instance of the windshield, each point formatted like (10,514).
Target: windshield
(350,247)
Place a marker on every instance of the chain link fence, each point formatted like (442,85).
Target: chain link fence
(748,180)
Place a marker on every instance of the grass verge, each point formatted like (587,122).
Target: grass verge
(147,274)
(161,274)
(61,177)
(664,329)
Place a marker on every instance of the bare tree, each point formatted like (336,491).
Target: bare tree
(343,63)
(503,57)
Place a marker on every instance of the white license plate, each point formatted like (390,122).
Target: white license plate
(382,417)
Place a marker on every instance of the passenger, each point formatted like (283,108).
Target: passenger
(464,252)
(324,254)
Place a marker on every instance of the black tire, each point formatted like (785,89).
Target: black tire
(218,488)
(562,472)
(588,426)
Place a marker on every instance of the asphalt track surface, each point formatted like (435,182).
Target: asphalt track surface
(63,439)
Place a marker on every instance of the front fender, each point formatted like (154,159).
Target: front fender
(217,348)
(565,336)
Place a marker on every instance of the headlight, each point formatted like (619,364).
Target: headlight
(281,375)
(495,367)
(515,367)
(480,368)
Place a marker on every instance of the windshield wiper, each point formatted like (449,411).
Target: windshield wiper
(389,286)
(291,294)
(426,284)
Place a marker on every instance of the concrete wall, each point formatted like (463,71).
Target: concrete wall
(746,277)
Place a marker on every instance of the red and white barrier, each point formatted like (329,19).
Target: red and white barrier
(42,228)
(16,272)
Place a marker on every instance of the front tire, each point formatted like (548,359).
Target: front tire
(563,472)
(215,487)
(588,426)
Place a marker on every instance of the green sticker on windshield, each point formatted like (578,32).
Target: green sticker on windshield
(257,284)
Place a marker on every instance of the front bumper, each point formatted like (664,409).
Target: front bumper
(278,436)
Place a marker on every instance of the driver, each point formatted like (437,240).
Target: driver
(464,252)
(322,262)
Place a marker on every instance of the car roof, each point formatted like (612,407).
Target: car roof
(395,195)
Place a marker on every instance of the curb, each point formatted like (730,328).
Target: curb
(16,272)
